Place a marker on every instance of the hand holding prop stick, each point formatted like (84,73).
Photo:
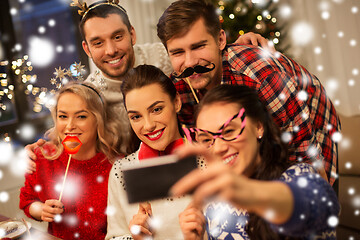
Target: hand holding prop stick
(71,145)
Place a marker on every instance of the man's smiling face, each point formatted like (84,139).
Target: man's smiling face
(198,47)
(110,45)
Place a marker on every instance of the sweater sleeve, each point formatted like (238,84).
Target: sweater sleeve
(117,227)
(28,195)
(316,207)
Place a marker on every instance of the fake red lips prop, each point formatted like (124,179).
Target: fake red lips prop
(71,144)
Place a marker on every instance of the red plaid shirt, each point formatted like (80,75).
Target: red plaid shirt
(311,119)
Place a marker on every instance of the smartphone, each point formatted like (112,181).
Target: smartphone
(152,178)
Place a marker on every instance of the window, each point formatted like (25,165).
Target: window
(37,36)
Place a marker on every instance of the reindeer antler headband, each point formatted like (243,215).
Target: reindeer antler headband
(84,9)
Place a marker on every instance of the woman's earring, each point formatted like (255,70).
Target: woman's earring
(259,137)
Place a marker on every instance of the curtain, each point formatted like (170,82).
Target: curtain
(333,54)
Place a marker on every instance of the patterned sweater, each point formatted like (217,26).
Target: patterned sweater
(316,209)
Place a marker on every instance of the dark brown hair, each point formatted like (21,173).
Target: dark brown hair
(180,16)
(273,151)
(144,75)
(103,11)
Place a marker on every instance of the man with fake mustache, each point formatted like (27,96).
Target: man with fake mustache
(190,31)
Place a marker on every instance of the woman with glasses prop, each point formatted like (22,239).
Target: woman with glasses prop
(249,190)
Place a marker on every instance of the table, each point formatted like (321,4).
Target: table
(36,234)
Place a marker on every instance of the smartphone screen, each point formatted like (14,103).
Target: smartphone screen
(152,178)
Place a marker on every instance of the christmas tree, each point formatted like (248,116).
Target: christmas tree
(241,16)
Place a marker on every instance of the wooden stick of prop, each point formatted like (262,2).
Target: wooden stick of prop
(185,138)
(66,171)
(27,227)
(192,90)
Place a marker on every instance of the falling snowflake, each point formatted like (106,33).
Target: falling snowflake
(286,137)
(41,29)
(302,33)
(356,201)
(353,42)
(304,116)
(320,68)
(317,50)
(296,128)
(57,218)
(2,232)
(41,51)
(351,191)
(325,15)
(58,187)
(37,188)
(7,152)
(135,229)
(355,71)
(302,95)
(100,179)
(351,82)
(4,196)
(302,182)
(324,6)
(348,165)
(155,223)
(13,11)
(215,232)
(72,220)
(52,23)
(333,221)
(336,136)
(110,210)
(317,164)
(285,11)
(27,132)
(269,214)
(354,9)
(59,48)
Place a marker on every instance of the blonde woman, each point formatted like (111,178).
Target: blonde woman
(79,112)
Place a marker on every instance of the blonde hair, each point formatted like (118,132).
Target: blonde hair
(108,127)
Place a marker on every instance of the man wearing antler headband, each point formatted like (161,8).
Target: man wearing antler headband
(191,32)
